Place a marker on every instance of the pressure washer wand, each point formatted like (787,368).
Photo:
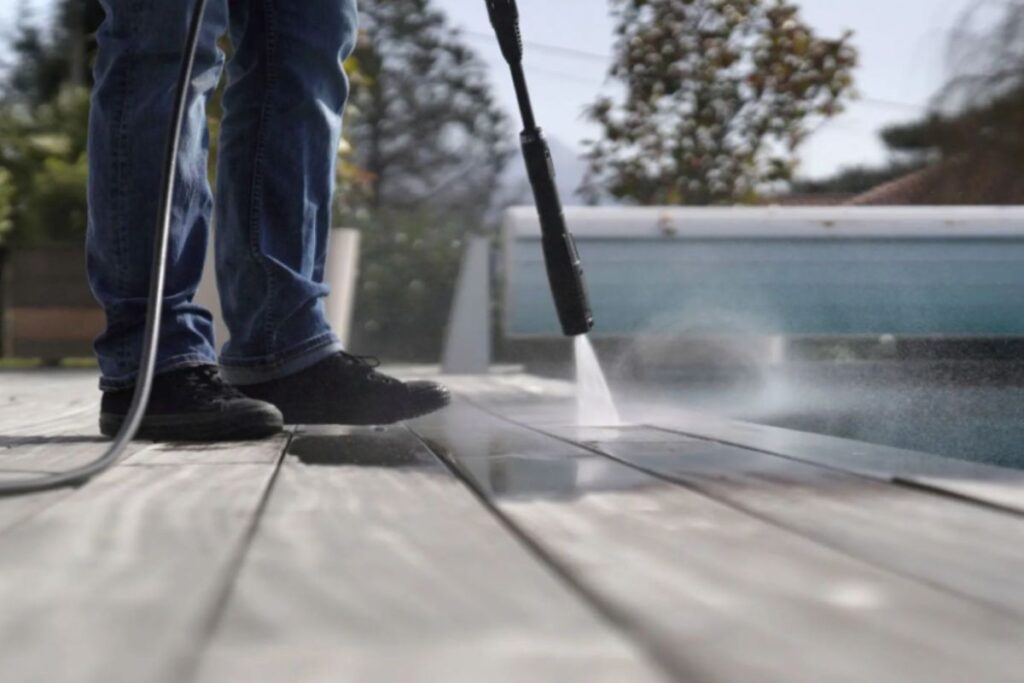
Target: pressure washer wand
(565,272)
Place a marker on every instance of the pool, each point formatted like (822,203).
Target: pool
(898,326)
(910,272)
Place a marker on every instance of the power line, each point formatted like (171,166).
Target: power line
(546,47)
(605,59)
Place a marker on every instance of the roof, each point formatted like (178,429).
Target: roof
(984,178)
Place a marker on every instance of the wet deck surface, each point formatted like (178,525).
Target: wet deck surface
(496,541)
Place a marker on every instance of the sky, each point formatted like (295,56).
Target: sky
(903,46)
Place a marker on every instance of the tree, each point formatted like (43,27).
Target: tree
(981,108)
(44,108)
(428,146)
(972,140)
(43,66)
(409,263)
(717,98)
(43,154)
(425,127)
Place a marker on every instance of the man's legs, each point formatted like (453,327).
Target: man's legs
(141,44)
(278,146)
(140,49)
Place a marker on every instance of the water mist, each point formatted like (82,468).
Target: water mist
(594,403)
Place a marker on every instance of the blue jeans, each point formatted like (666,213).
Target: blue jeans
(275,175)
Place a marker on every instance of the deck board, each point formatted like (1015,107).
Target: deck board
(550,403)
(120,577)
(700,550)
(972,550)
(47,423)
(703,581)
(372,562)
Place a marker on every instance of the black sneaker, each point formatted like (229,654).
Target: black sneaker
(193,404)
(347,390)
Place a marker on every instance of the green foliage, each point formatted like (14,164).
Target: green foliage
(47,60)
(425,128)
(6,203)
(426,148)
(410,261)
(718,96)
(43,153)
(44,111)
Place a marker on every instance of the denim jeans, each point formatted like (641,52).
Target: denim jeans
(275,174)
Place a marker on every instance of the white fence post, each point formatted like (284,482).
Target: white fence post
(467,348)
(341,274)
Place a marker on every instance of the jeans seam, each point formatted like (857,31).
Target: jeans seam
(120,163)
(256,190)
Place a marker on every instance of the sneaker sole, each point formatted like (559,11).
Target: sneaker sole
(233,426)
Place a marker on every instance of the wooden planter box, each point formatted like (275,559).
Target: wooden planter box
(48,310)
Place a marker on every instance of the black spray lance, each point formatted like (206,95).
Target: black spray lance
(565,273)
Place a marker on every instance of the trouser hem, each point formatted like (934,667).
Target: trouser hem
(123,382)
(242,371)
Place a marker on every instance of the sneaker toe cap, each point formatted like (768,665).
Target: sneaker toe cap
(425,396)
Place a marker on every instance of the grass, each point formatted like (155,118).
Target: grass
(32,363)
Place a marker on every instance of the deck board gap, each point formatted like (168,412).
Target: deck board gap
(922,487)
(817,539)
(189,665)
(617,619)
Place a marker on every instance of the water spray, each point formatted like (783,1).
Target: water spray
(565,272)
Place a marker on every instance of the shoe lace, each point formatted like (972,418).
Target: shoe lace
(205,382)
(370,363)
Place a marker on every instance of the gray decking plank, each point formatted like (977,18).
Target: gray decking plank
(46,424)
(720,594)
(986,483)
(117,580)
(972,550)
(372,562)
(176,454)
(551,404)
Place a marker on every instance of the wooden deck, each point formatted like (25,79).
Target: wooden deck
(495,541)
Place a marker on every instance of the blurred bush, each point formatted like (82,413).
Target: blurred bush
(6,203)
(43,153)
(44,112)
(410,261)
(427,145)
